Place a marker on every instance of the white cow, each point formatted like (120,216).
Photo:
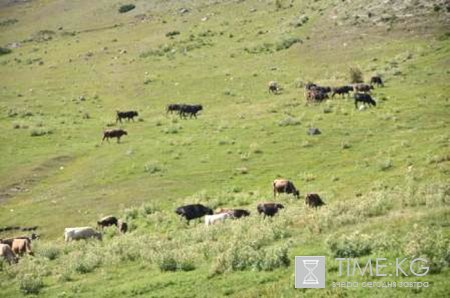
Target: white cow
(211,219)
(81,233)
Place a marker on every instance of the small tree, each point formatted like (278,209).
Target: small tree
(356,75)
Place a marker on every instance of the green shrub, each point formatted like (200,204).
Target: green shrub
(287,43)
(431,244)
(289,121)
(126,8)
(85,262)
(47,250)
(153,167)
(30,283)
(350,246)
(356,75)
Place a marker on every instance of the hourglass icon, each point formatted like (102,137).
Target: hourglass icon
(310,278)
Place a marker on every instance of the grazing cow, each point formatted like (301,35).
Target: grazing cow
(192,110)
(365,99)
(122,226)
(362,88)
(173,107)
(223,210)
(269,209)
(321,89)
(284,186)
(316,95)
(126,115)
(114,133)
(376,80)
(344,90)
(273,87)
(107,221)
(7,253)
(9,241)
(193,211)
(309,86)
(313,200)
(211,219)
(235,213)
(81,233)
(21,246)
(238,213)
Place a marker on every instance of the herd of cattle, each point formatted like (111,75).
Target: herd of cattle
(183,110)
(313,93)
(13,248)
(316,93)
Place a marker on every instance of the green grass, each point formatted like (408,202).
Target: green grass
(228,157)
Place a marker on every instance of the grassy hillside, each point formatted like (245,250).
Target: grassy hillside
(383,171)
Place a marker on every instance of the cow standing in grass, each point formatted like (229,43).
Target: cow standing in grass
(365,99)
(126,115)
(190,110)
(173,108)
(273,87)
(376,80)
(362,88)
(194,211)
(313,200)
(344,90)
(269,209)
(7,254)
(284,186)
(114,133)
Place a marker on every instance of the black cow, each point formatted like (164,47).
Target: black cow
(316,95)
(313,200)
(193,211)
(269,209)
(107,221)
(273,87)
(192,110)
(364,98)
(126,115)
(122,226)
(344,90)
(238,213)
(114,133)
(173,108)
(376,80)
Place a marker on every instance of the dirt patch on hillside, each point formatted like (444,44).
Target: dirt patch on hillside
(42,171)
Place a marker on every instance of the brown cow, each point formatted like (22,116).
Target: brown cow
(284,186)
(362,87)
(7,253)
(313,200)
(21,246)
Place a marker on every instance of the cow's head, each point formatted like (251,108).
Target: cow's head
(297,194)
(208,211)
(125,132)
(135,113)
(279,206)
